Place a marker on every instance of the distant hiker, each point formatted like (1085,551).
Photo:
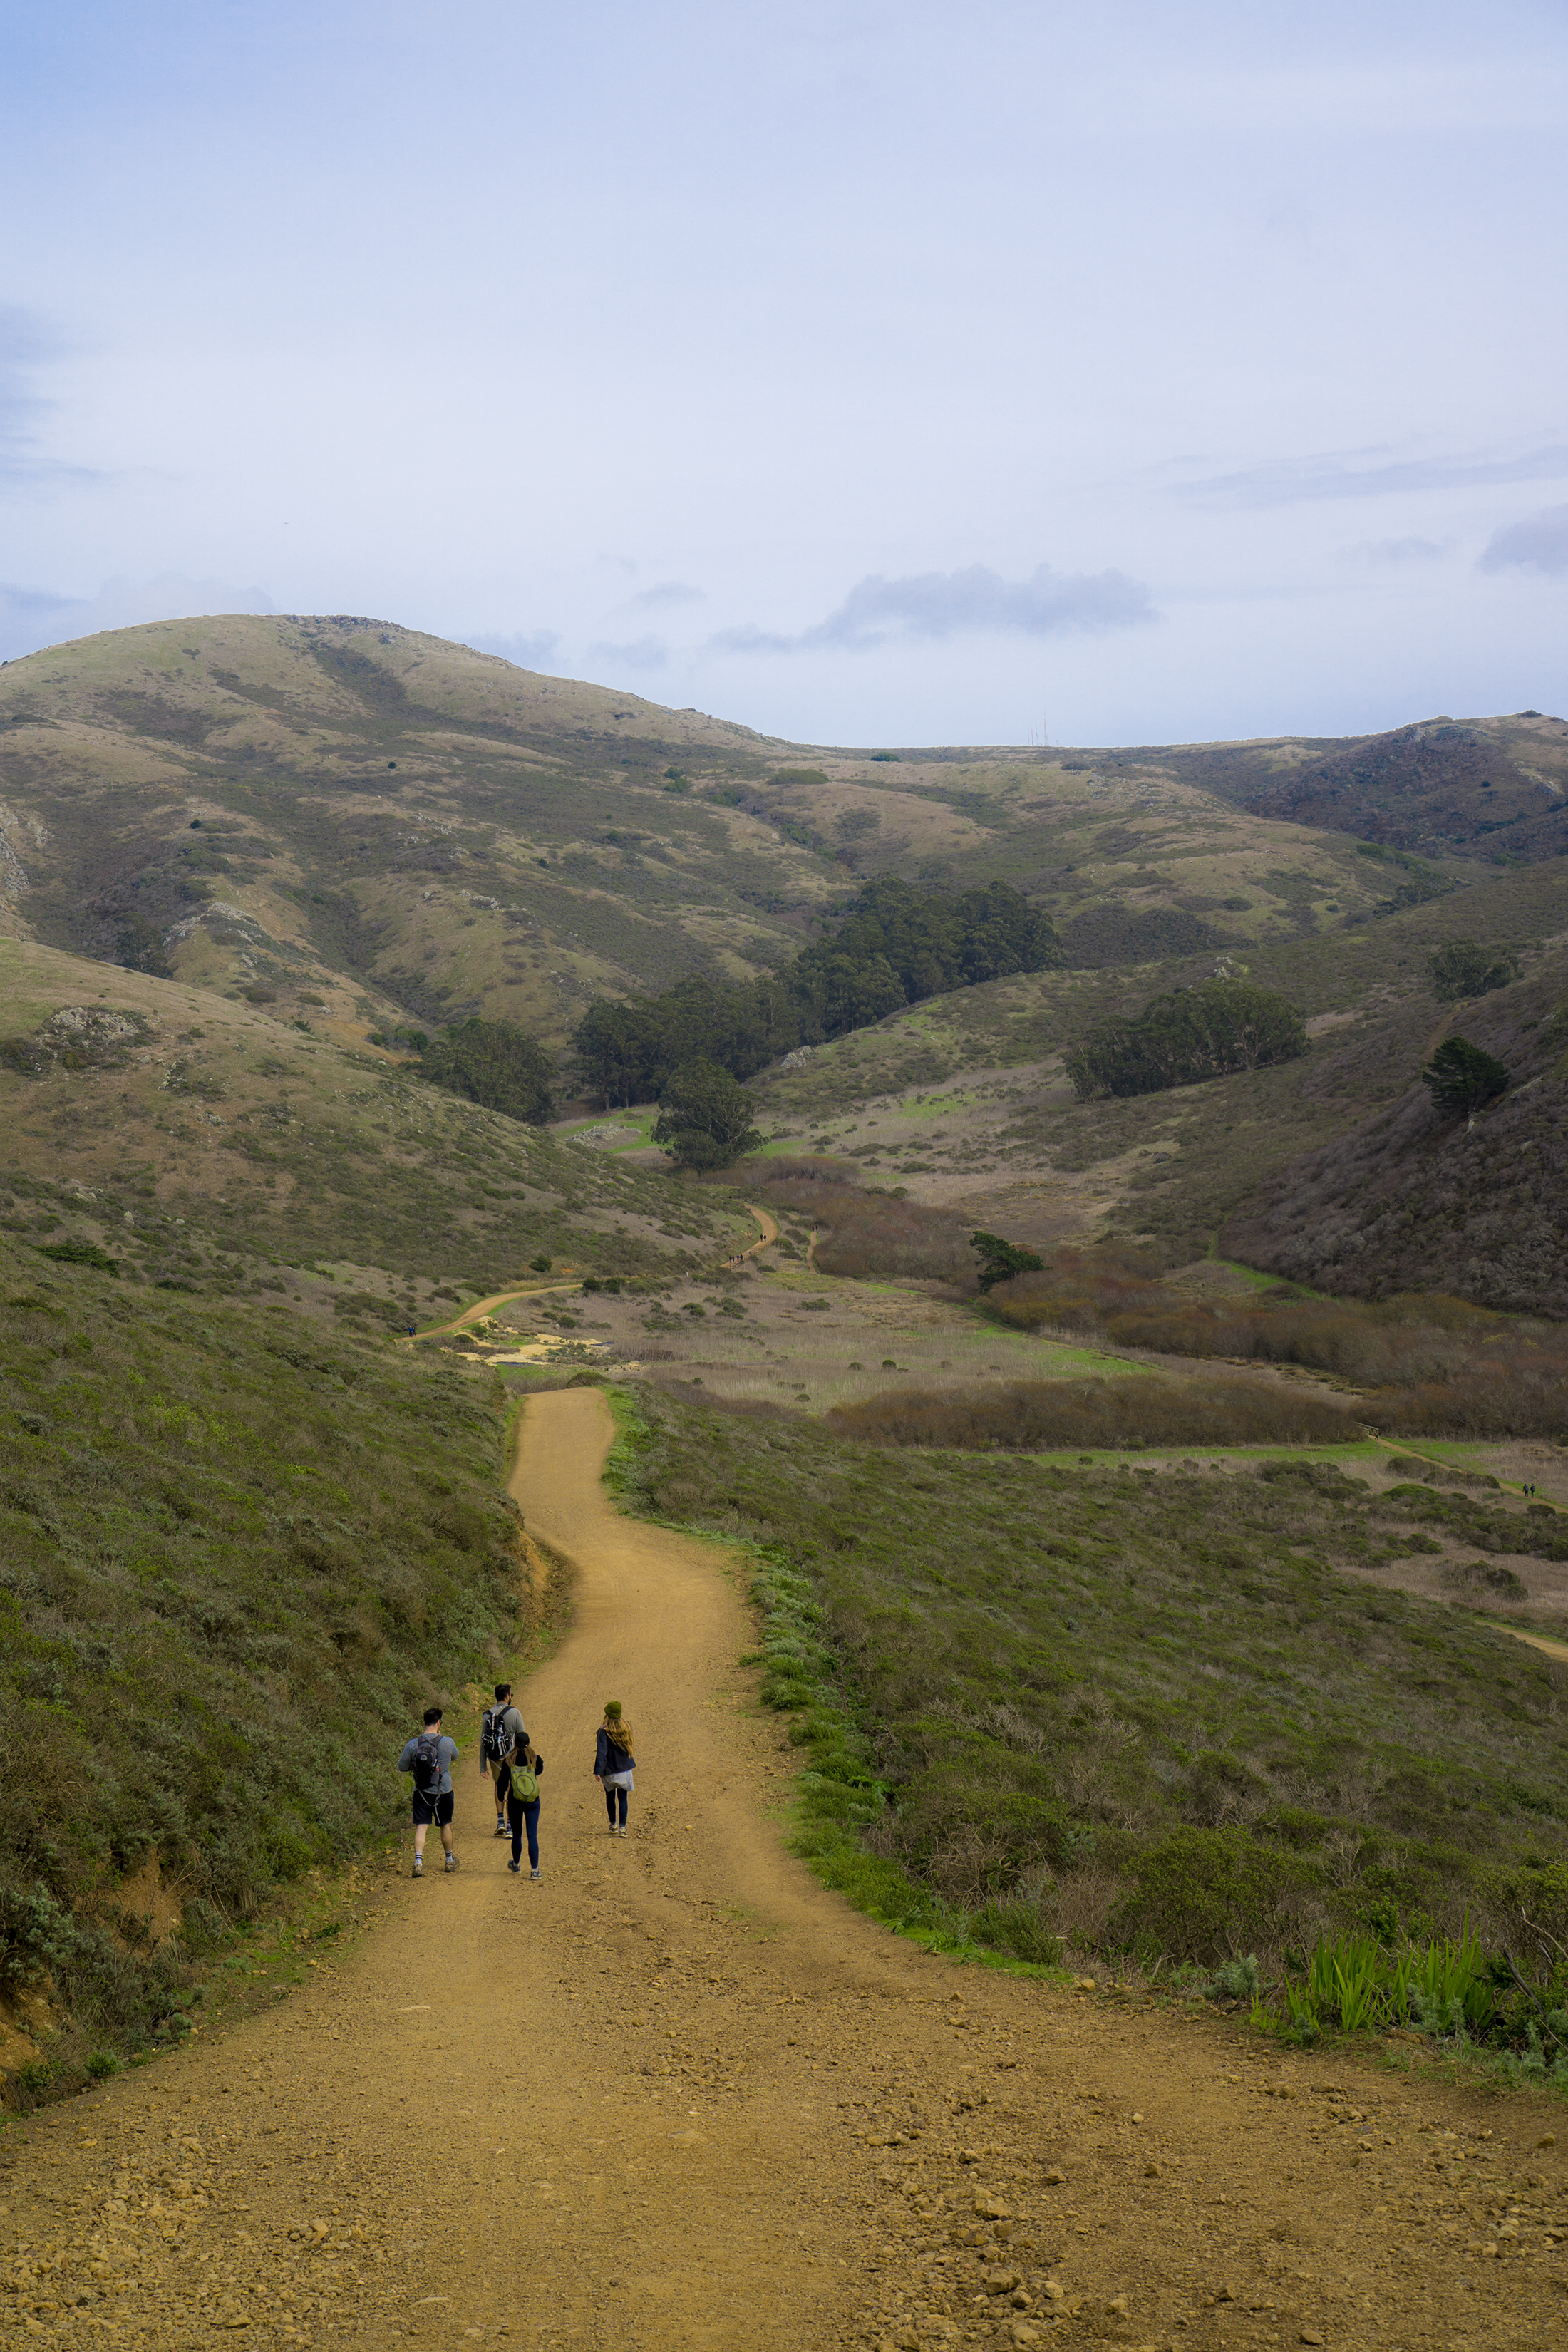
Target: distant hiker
(431,1756)
(613,1762)
(520,1780)
(500,1729)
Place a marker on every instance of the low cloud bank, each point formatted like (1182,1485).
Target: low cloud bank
(929,607)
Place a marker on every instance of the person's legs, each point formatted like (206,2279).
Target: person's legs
(444,1806)
(610,1802)
(419,1830)
(530,1821)
(518,1815)
(622,1795)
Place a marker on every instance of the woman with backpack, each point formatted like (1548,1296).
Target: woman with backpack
(518,1778)
(613,1762)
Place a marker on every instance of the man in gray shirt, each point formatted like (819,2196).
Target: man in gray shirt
(500,1730)
(431,1756)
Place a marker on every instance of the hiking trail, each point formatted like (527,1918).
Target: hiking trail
(678,2095)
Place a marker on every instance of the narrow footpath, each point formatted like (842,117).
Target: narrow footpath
(676,2095)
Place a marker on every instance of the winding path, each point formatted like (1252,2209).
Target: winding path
(677,2095)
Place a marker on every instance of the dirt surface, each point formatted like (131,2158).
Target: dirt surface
(675,2095)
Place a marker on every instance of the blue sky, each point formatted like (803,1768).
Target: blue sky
(868,373)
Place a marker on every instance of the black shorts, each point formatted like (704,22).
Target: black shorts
(433,1809)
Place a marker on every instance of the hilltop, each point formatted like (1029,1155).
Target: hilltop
(365,824)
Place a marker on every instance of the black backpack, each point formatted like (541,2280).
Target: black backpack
(495,1745)
(428,1764)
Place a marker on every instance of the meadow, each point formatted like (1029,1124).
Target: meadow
(1150,1714)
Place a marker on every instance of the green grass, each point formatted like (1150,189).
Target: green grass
(237,1558)
(1146,1714)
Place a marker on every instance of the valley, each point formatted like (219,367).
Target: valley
(1187,1588)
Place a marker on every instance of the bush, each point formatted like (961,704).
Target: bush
(1206,1895)
(1001,1260)
(1464,968)
(1037,1416)
(1194,1034)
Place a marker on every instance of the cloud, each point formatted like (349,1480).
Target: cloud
(665,593)
(1398,551)
(642,653)
(31,618)
(927,606)
(1540,543)
(526,651)
(27,342)
(1287,481)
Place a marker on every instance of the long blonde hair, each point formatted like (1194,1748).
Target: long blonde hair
(618,1729)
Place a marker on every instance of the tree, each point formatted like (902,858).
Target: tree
(1192,1034)
(1464,968)
(705,1117)
(1000,1260)
(1462,1077)
(491,1063)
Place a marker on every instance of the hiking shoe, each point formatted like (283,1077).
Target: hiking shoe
(517,1865)
(451,1861)
(621,1832)
(418,1867)
(500,1825)
(532,1874)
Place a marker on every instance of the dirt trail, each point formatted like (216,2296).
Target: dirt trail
(678,2095)
(483,1307)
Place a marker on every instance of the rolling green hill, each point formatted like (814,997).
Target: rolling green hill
(369,824)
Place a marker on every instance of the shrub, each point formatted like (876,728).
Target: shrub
(1464,968)
(1036,1416)
(1001,1260)
(79,1254)
(1196,1032)
(1206,1895)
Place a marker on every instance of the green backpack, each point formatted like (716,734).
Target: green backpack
(524,1785)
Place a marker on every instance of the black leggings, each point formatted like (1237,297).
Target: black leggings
(610,1796)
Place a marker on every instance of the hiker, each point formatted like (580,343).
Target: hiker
(613,1762)
(431,1756)
(520,1780)
(500,1729)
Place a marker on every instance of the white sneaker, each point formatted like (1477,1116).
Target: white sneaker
(620,1832)
(534,1874)
(451,1861)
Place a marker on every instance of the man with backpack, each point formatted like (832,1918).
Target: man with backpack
(430,1756)
(502,1729)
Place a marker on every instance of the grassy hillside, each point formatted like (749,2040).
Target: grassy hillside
(962,1101)
(1411,1200)
(211,1144)
(235,1561)
(1487,788)
(1149,1712)
(381,825)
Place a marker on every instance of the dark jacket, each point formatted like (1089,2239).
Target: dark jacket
(520,1756)
(608,1758)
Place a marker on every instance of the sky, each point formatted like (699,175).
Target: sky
(1164,371)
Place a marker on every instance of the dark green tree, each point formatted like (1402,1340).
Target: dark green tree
(493,1063)
(1000,1260)
(1464,968)
(705,1117)
(1192,1034)
(1462,1077)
